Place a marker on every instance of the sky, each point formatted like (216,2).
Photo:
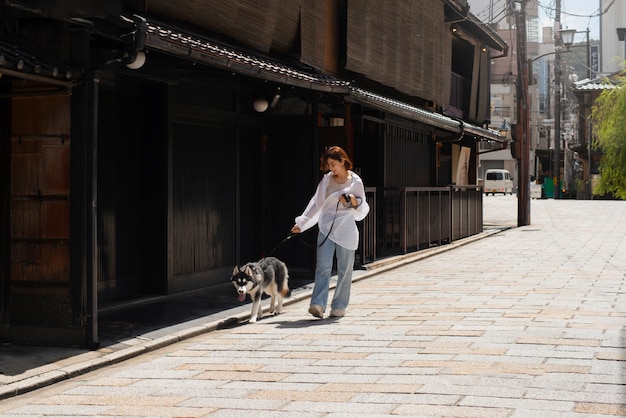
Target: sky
(575,14)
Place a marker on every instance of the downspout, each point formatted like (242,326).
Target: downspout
(130,56)
(83,197)
(91,233)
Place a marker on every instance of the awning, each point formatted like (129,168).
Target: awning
(419,114)
(173,41)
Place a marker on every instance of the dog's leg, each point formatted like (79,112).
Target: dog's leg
(279,307)
(257,312)
(260,308)
(253,314)
(272,304)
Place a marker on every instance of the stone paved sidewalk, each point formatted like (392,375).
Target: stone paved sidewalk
(529,322)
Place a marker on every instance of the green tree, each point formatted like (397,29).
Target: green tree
(610,137)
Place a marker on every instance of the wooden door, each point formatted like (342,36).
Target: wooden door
(39,230)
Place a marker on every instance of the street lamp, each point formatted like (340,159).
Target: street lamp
(566,37)
(504,128)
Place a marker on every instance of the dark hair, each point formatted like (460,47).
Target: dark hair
(336,153)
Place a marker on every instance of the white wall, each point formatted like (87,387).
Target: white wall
(612,52)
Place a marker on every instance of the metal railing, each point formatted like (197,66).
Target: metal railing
(409,219)
(426,211)
(367,247)
(467,211)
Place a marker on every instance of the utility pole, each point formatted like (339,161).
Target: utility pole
(523,122)
(588,56)
(557,101)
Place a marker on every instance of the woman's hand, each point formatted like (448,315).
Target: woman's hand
(347,202)
(295,229)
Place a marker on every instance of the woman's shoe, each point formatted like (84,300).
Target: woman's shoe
(316,311)
(337,313)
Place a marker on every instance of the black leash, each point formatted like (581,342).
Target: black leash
(331,225)
(291,235)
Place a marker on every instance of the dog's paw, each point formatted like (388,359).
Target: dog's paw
(253,320)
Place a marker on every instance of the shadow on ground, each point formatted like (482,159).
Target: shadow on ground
(124,322)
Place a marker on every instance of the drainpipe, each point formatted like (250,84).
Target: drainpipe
(91,227)
(84,198)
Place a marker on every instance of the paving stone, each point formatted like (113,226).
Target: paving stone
(528,322)
(354,408)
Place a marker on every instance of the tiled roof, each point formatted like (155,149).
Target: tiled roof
(597,84)
(419,114)
(197,48)
(209,52)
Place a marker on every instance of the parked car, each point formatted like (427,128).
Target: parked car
(498,181)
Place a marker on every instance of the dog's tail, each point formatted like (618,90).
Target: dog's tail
(286,292)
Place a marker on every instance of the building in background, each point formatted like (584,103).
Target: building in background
(606,62)
(613,36)
(503,77)
(582,63)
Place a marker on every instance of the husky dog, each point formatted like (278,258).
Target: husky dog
(270,276)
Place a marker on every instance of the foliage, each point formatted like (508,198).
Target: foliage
(610,137)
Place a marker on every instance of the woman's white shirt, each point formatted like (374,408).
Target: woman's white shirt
(326,212)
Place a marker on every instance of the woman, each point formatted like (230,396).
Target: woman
(337,204)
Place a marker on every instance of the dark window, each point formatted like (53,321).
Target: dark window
(494,176)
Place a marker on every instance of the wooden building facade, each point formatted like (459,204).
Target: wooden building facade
(147,147)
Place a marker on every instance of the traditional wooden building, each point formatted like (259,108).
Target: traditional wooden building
(587,92)
(147,147)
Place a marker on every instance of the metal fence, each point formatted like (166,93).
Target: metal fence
(467,211)
(367,248)
(409,219)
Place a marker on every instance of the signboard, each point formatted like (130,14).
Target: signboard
(463,166)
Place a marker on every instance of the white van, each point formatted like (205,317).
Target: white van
(498,181)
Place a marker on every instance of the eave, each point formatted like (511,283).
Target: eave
(197,48)
(461,17)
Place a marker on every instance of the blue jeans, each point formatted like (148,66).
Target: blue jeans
(323,269)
